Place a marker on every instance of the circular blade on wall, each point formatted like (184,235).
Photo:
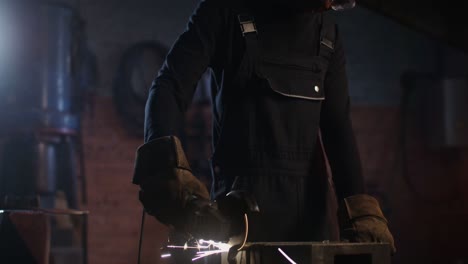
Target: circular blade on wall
(138,67)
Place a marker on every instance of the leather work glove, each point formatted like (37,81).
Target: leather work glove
(362,220)
(166,181)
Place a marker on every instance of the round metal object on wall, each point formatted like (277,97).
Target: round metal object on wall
(138,67)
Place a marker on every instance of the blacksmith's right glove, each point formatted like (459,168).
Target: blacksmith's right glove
(166,180)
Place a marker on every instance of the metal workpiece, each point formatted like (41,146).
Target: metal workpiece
(312,253)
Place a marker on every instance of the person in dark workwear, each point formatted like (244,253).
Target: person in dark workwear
(281,86)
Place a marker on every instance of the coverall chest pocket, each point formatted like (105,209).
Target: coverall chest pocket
(295,79)
(286,107)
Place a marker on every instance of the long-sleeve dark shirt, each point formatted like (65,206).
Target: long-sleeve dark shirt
(213,39)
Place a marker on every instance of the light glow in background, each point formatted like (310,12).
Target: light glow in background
(7,37)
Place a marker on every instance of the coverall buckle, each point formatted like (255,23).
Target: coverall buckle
(247,24)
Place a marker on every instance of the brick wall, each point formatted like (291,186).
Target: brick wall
(115,216)
(114,222)
(427,212)
(112,199)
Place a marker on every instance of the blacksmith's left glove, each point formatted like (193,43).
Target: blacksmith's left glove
(362,220)
(167,184)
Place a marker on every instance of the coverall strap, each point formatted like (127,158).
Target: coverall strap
(327,37)
(249,31)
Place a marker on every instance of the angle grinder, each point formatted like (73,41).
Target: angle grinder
(222,220)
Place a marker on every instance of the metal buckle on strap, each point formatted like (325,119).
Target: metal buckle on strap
(327,43)
(247,24)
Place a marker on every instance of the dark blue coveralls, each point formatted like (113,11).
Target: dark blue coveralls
(276,89)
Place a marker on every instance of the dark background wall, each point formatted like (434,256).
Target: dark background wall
(113,26)
(428,228)
(380,50)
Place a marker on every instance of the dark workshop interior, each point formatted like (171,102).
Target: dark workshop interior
(75,76)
